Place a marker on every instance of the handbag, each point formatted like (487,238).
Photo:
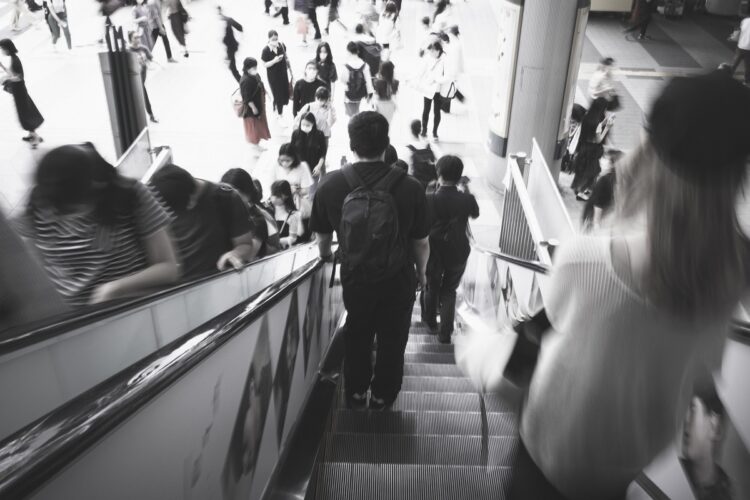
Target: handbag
(238,104)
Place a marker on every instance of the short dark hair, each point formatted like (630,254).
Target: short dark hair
(450,168)
(323,93)
(391,155)
(9,46)
(272,33)
(352,48)
(359,29)
(288,149)
(436,45)
(416,127)
(174,185)
(368,134)
(402,165)
(249,62)
(426,21)
(607,61)
(240,180)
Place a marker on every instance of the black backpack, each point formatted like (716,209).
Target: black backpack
(356,87)
(423,164)
(370,53)
(448,237)
(370,244)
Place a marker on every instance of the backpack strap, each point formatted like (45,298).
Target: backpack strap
(352,177)
(390,180)
(411,148)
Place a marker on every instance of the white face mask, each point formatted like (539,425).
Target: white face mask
(306,127)
(323,56)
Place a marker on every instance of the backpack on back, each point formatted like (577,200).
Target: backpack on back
(370,243)
(447,235)
(356,87)
(423,164)
(370,53)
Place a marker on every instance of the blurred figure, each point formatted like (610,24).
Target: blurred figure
(449,211)
(326,67)
(302,8)
(743,49)
(323,110)
(19,9)
(443,16)
(144,56)
(178,18)
(211,224)
(455,64)
(157,28)
(602,85)
(304,90)
(254,98)
(282,9)
(100,236)
(387,31)
(358,81)
(311,145)
(421,156)
(594,129)
(385,87)
(288,218)
(142,17)
(602,199)
(641,308)
(642,14)
(278,71)
(56,14)
(230,42)
(14,82)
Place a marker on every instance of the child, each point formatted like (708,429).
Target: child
(286,214)
(322,108)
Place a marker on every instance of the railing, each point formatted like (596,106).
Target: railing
(204,417)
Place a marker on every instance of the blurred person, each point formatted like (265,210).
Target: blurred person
(432,84)
(368,16)
(443,16)
(265,225)
(290,167)
(643,11)
(14,82)
(379,280)
(401,164)
(602,200)
(449,212)
(157,28)
(326,67)
(99,235)
(178,18)
(602,85)
(144,56)
(362,34)
(230,42)
(574,136)
(312,13)
(421,156)
(56,14)
(310,145)
(426,36)
(322,108)
(703,431)
(253,94)
(455,65)
(358,81)
(333,16)
(282,9)
(288,218)
(743,49)
(211,223)
(142,17)
(385,87)
(20,7)
(304,90)
(642,308)
(387,31)
(278,71)
(302,8)
(594,128)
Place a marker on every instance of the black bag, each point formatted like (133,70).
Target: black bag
(356,87)
(447,238)
(613,103)
(370,53)
(423,165)
(370,244)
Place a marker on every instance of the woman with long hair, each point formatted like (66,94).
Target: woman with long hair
(636,314)
(594,128)
(15,83)
(100,236)
(288,218)
(311,145)
(326,67)
(386,88)
(254,100)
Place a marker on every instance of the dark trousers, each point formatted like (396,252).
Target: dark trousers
(145,94)
(285,15)
(55,28)
(155,33)
(382,309)
(314,19)
(231,56)
(742,56)
(641,25)
(268,4)
(435,104)
(442,283)
(178,28)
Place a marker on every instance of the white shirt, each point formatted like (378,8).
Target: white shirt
(297,177)
(744,41)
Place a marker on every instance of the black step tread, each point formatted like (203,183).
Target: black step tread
(420,449)
(432,370)
(430,357)
(364,481)
(426,422)
(436,401)
(437,384)
(429,347)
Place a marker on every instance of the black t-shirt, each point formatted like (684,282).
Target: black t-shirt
(304,93)
(204,233)
(449,206)
(408,194)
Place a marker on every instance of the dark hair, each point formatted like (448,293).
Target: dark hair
(450,168)
(322,45)
(8,45)
(440,8)
(391,8)
(426,20)
(323,93)
(391,155)
(258,188)
(352,48)
(387,70)
(272,33)
(282,189)
(75,174)
(402,165)
(454,31)
(368,134)
(416,127)
(578,112)
(706,392)
(175,186)
(593,118)
(309,117)
(607,61)
(240,180)
(359,29)
(287,149)
(249,62)
(436,45)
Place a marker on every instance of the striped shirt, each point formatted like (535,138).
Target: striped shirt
(79,253)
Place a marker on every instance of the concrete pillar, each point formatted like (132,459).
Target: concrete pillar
(539,50)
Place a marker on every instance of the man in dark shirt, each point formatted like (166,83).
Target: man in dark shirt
(383,308)
(450,210)
(211,224)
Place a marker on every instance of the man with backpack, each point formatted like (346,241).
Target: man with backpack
(421,156)
(449,210)
(357,78)
(379,215)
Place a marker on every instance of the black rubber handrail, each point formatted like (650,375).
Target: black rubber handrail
(40,450)
(25,335)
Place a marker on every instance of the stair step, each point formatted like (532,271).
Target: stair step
(422,338)
(430,357)
(427,422)
(437,384)
(436,401)
(419,328)
(420,449)
(364,481)
(416,347)
(432,369)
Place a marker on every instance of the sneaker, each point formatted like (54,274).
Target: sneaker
(435,137)
(172,60)
(186,54)
(357,401)
(153,119)
(377,404)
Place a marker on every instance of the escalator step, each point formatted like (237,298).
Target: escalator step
(432,369)
(430,357)
(437,384)
(422,338)
(420,449)
(431,422)
(429,348)
(420,328)
(345,481)
(437,401)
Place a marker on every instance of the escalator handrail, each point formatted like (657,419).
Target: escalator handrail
(23,335)
(531,265)
(40,450)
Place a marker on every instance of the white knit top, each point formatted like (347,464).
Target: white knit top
(613,379)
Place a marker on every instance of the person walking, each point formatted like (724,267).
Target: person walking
(326,67)
(14,83)
(254,100)
(144,56)
(158,30)
(178,18)
(357,78)
(379,281)
(304,90)
(450,210)
(323,110)
(743,49)
(385,88)
(432,82)
(642,15)
(56,14)
(601,84)
(387,34)
(278,72)
(302,8)
(142,19)
(594,129)
(310,145)
(455,65)
(19,9)
(312,13)
(230,42)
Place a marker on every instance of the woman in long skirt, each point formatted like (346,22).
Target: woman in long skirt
(253,98)
(277,67)
(28,114)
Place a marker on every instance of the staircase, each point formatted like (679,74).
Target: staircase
(440,440)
